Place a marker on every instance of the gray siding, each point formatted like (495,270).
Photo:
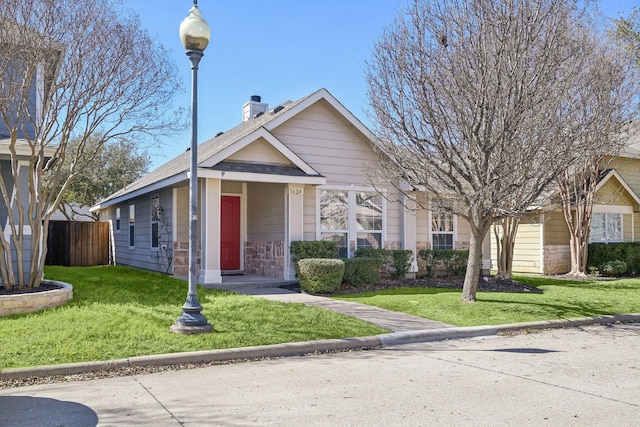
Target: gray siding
(142,255)
(265,212)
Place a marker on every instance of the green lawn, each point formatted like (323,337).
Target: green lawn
(119,312)
(561,299)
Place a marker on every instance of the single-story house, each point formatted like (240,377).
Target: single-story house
(294,172)
(542,241)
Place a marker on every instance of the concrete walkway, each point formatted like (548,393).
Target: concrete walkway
(391,320)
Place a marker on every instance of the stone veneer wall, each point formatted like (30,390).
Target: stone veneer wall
(181,259)
(264,259)
(557,259)
(33,301)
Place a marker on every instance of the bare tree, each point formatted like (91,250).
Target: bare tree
(71,72)
(614,104)
(472,101)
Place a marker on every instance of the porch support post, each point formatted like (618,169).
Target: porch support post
(210,272)
(409,232)
(294,208)
(486,253)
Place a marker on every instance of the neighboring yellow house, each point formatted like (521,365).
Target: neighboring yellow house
(542,241)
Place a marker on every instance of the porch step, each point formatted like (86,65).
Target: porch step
(233,283)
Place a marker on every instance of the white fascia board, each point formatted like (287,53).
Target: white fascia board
(615,173)
(312,99)
(259,177)
(252,137)
(142,191)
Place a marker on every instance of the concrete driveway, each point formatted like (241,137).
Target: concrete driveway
(588,376)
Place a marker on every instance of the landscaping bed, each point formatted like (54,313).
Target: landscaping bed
(493,284)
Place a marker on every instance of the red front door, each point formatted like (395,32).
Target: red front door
(230,233)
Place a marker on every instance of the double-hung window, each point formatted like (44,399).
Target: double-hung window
(351,216)
(334,218)
(132,225)
(442,228)
(369,219)
(606,227)
(155,222)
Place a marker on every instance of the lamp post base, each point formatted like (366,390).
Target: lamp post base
(191,324)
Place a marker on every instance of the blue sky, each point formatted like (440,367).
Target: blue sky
(278,49)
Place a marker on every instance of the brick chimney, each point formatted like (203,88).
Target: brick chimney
(253,108)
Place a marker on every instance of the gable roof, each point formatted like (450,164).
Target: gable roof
(213,152)
(610,173)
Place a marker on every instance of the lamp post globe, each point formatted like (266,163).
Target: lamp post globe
(194,35)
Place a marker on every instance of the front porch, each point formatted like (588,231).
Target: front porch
(244,281)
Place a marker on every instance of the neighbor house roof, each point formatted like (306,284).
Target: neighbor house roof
(213,152)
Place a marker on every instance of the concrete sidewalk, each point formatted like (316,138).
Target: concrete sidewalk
(391,320)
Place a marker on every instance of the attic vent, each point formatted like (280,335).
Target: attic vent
(256,115)
(277,109)
(218,134)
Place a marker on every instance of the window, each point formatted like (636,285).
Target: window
(155,220)
(350,215)
(369,220)
(606,227)
(132,225)
(117,220)
(334,218)
(441,231)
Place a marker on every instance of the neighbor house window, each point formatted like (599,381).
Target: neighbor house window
(117,219)
(441,231)
(155,220)
(350,215)
(606,227)
(132,225)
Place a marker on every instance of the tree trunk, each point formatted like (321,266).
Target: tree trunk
(475,261)
(505,244)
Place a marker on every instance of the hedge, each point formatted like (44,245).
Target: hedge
(361,271)
(395,261)
(606,258)
(453,262)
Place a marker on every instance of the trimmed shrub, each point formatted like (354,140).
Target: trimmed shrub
(613,268)
(396,262)
(452,262)
(361,271)
(601,253)
(302,249)
(320,275)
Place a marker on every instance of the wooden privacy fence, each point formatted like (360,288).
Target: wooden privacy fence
(78,244)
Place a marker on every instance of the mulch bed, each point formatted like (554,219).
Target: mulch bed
(44,287)
(493,284)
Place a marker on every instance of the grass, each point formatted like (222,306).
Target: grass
(561,299)
(120,312)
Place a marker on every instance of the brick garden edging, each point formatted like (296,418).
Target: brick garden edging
(33,301)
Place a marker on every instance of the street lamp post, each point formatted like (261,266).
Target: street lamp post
(194,35)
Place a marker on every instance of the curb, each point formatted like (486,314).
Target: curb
(308,347)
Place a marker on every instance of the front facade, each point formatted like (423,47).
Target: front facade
(295,172)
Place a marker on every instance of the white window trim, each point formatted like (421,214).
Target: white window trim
(132,225)
(454,219)
(606,213)
(118,221)
(352,231)
(151,222)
